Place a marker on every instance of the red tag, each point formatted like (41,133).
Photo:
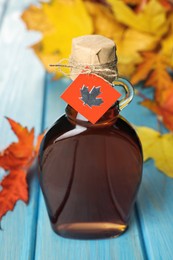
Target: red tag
(91,96)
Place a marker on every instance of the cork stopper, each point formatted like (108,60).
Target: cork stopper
(95,50)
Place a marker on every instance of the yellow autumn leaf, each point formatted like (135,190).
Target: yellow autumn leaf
(35,19)
(167,42)
(104,21)
(129,47)
(60,21)
(157,147)
(167,49)
(151,20)
(129,42)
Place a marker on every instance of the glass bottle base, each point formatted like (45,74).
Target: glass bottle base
(90,178)
(92,230)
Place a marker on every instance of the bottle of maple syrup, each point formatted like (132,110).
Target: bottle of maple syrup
(91,172)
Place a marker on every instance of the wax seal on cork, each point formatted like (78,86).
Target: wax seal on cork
(94,52)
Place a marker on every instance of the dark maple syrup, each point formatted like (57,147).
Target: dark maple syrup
(90,174)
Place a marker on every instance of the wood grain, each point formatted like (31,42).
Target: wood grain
(21,95)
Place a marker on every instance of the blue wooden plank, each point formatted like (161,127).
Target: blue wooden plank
(154,202)
(21,91)
(156,211)
(51,246)
(3,9)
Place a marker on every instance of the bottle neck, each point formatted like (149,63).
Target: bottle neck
(107,119)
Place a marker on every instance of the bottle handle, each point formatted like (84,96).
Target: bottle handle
(129,90)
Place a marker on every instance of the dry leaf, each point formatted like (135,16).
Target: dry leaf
(167,41)
(104,21)
(16,159)
(151,20)
(132,2)
(144,68)
(153,71)
(164,110)
(61,21)
(14,188)
(129,47)
(137,5)
(157,147)
(167,49)
(167,4)
(36,20)
(103,2)
(18,155)
(133,33)
(142,31)
(129,41)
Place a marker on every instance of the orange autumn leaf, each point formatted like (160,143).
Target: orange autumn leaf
(164,110)
(16,160)
(167,4)
(20,154)
(144,68)
(153,71)
(15,187)
(159,78)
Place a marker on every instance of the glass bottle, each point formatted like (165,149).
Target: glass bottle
(90,173)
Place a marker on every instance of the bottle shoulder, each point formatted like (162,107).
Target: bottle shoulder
(60,126)
(125,127)
(63,129)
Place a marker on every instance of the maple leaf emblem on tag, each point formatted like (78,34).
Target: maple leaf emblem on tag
(90,97)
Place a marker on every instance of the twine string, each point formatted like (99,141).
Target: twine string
(75,68)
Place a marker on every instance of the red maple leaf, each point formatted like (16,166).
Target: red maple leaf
(16,159)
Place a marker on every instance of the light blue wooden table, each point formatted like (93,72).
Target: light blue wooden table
(28,95)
